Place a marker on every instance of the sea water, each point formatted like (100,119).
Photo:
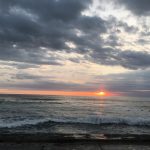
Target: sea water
(74,114)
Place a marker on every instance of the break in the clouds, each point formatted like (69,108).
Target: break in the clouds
(67,40)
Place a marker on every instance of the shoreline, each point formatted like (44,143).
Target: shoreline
(67,138)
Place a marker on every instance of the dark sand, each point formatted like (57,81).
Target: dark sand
(41,141)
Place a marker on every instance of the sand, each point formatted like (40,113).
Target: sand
(20,141)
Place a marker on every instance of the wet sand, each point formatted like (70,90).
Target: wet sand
(19,141)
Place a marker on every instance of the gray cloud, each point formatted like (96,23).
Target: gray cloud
(18,65)
(119,25)
(134,60)
(22,76)
(30,56)
(26,27)
(49,85)
(29,26)
(129,59)
(113,40)
(138,7)
(23,65)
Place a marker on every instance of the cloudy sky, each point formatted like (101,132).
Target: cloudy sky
(56,46)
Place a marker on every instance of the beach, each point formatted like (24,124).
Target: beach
(72,142)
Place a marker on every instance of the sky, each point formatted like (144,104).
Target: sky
(75,47)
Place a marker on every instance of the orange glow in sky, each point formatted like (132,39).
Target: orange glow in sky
(36,92)
(69,93)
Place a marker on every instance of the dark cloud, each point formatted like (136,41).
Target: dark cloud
(145,33)
(129,59)
(127,28)
(138,7)
(143,41)
(48,9)
(49,85)
(30,56)
(113,41)
(23,65)
(91,24)
(18,65)
(26,26)
(28,76)
(118,26)
(29,26)
(22,76)
(134,59)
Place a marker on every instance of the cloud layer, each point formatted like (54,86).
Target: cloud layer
(51,33)
(28,32)
(138,7)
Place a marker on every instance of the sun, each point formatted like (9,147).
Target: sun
(101,93)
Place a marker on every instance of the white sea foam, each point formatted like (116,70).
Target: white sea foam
(22,123)
(106,120)
(89,120)
(31,110)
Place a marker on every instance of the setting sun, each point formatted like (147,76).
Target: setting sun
(101,93)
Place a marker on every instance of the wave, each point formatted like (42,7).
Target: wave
(106,120)
(89,120)
(22,123)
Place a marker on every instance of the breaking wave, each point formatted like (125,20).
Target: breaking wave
(89,120)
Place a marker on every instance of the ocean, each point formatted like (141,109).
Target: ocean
(74,114)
